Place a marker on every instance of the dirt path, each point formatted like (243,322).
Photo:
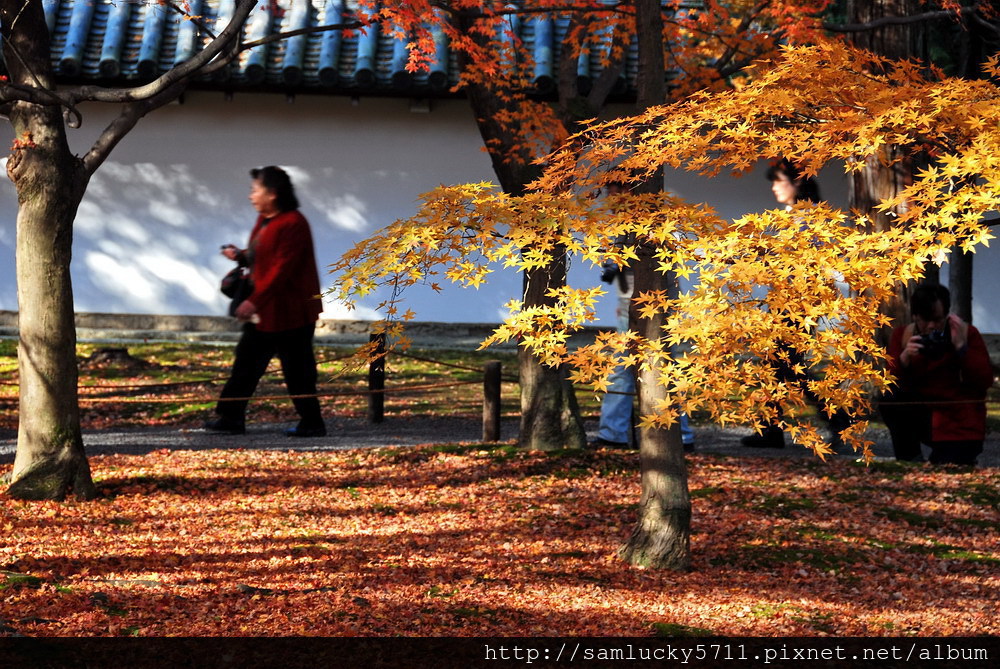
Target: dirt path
(347,433)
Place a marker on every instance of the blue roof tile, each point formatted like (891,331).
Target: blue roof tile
(126,42)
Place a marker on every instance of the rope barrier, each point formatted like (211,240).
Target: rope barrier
(139,393)
(132,386)
(437,362)
(401,390)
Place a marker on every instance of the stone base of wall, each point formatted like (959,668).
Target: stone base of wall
(141,327)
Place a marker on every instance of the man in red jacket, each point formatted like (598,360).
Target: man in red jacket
(281,311)
(943,371)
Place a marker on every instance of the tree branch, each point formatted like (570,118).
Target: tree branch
(144,99)
(601,88)
(123,124)
(193,19)
(901,20)
(277,37)
(199,63)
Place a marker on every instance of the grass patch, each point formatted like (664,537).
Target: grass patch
(781,504)
(13,581)
(980,494)
(676,630)
(897,515)
(8,348)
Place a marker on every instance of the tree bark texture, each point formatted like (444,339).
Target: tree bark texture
(891,41)
(960,282)
(884,175)
(977,44)
(662,535)
(50,181)
(550,416)
(888,172)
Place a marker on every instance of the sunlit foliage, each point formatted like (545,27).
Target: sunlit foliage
(799,288)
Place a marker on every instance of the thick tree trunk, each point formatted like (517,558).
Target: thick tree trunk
(869,187)
(550,416)
(876,182)
(960,282)
(50,461)
(979,44)
(662,535)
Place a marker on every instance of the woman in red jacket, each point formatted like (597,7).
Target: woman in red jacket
(280,313)
(942,371)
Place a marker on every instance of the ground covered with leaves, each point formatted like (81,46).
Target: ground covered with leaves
(476,540)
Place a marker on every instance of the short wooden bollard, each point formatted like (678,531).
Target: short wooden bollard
(491,401)
(376,379)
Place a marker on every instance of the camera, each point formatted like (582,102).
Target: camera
(935,344)
(609,271)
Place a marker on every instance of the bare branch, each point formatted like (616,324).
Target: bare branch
(884,21)
(733,51)
(606,80)
(199,63)
(193,19)
(277,37)
(126,120)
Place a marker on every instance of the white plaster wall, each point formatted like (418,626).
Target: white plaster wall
(148,232)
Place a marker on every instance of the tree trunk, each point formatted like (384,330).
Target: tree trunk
(875,182)
(869,187)
(662,535)
(50,182)
(960,283)
(979,45)
(550,416)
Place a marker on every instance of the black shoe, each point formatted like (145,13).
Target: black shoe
(769,439)
(607,443)
(300,431)
(226,426)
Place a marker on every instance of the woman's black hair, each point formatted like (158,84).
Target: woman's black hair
(806,188)
(925,296)
(276,180)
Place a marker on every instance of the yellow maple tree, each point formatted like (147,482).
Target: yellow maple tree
(807,281)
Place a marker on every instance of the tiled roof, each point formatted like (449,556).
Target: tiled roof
(130,41)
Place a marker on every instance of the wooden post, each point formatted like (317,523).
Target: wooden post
(491,401)
(376,379)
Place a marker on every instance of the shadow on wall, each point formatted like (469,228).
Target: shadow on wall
(147,238)
(148,233)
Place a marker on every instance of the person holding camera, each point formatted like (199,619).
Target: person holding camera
(942,371)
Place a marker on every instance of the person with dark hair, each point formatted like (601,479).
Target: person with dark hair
(942,371)
(281,310)
(790,187)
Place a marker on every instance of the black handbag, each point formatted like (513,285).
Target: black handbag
(237,286)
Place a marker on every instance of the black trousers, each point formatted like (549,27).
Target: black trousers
(786,373)
(254,352)
(909,424)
